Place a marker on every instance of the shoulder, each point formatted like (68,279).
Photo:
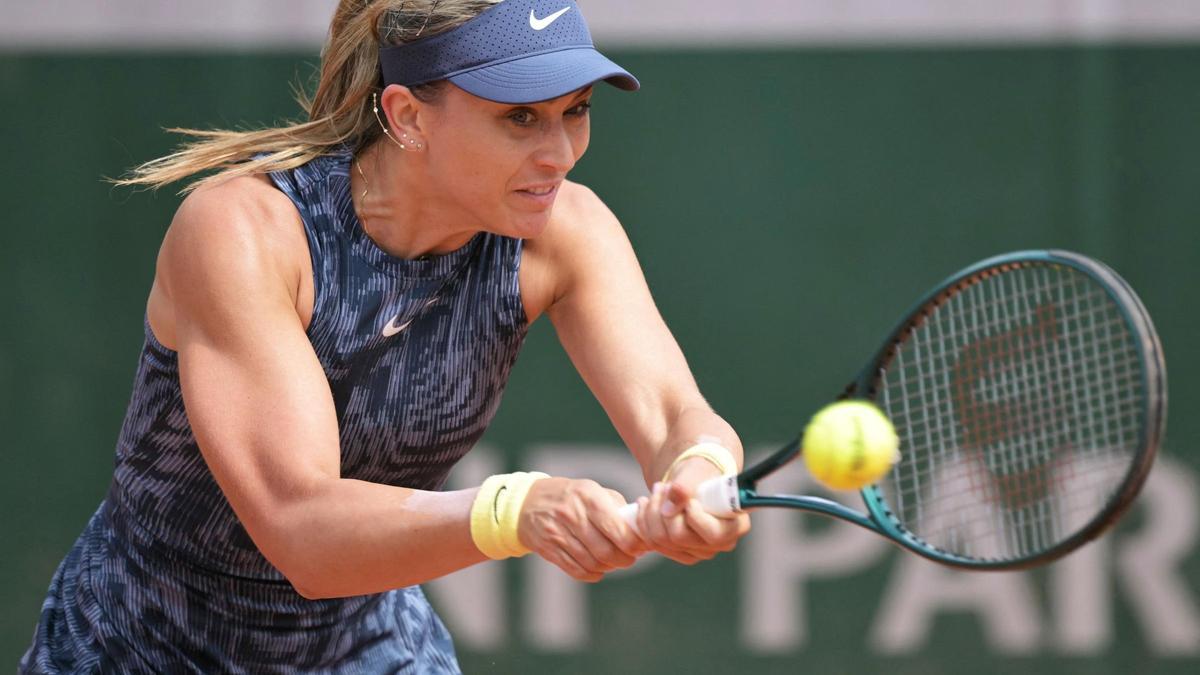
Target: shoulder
(580,220)
(243,227)
(583,236)
(580,210)
(247,209)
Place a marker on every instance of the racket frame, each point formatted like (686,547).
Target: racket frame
(879,516)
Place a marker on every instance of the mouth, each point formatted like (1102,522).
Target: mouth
(541,195)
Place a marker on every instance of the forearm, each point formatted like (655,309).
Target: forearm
(691,425)
(349,537)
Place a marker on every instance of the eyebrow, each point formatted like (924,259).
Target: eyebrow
(530,106)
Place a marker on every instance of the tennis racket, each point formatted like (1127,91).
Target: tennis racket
(1029,395)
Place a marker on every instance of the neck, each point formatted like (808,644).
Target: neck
(403,227)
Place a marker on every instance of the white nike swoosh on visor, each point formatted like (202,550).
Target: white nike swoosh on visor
(538,24)
(391,328)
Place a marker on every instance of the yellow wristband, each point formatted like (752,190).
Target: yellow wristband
(718,455)
(496,511)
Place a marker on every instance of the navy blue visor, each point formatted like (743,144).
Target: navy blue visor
(519,51)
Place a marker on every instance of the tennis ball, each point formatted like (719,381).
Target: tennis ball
(850,444)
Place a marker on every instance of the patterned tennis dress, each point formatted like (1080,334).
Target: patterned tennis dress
(164,578)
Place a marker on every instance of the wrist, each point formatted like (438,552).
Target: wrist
(496,511)
(693,471)
(714,454)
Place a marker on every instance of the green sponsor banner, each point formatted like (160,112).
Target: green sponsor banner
(786,206)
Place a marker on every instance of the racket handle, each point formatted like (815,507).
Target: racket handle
(629,514)
(719,496)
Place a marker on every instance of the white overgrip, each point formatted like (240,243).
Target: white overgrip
(630,513)
(719,496)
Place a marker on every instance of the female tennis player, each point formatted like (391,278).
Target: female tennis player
(335,312)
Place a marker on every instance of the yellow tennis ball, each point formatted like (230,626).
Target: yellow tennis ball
(849,445)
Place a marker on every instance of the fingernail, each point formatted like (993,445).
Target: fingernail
(669,508)
(658,488)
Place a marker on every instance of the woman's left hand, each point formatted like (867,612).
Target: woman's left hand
(673,523)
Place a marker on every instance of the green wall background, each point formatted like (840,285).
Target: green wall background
(786,206)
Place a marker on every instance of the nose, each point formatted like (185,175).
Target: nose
(557,150)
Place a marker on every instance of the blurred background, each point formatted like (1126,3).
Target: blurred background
(793,175)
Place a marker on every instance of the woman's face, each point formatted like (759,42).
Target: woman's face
(501,165)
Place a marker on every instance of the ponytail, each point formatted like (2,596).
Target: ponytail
(339,113)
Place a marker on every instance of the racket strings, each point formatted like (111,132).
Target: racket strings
(1018,402)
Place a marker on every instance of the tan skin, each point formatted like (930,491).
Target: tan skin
(233,295)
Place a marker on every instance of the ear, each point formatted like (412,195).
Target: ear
(401,111)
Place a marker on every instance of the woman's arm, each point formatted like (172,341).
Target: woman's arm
(263,415)
(610,327)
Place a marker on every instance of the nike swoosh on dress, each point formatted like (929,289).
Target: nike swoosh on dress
(391,328)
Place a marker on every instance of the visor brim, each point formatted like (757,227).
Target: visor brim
(542,77)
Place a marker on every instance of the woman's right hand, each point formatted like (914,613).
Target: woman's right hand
(576,524)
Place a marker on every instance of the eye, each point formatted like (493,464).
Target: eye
(580,110)
(523,117)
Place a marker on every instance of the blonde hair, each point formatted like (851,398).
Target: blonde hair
(338,113)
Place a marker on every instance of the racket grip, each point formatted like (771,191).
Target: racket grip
(719,496)
(629,514)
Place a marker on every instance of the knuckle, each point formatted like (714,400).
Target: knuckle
(563,513)
(606,552)
(708,535)
(678,533)
(567,565)
(598,499)
(586,486)
(576,552)
(624,561)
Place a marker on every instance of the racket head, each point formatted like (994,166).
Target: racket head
(1029,394)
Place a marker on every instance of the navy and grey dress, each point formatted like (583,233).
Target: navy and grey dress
(164,577)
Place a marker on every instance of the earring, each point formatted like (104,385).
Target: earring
(375,109)
(405,139)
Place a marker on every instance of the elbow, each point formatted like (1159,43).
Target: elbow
(295,561)
(284,535)
(302,573)
(307,591)
(307,583)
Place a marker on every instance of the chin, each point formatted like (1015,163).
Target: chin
(524,223)
(528,225)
